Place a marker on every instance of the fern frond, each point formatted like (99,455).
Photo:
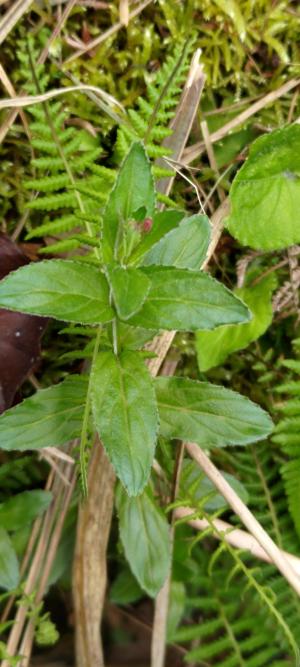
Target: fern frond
(60,247)
(48,146)
(244,613)
(161,99)
(48,183)
(53,202)
(287,436)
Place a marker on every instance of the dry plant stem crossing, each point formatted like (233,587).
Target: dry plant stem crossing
(67,11)
(26,645)
(50,527)
(276,556)
(108,33)
(238,538)
(9,120)
(181,126)
(191,153)
(12,16)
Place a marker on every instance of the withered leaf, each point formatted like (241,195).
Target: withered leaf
(20,334)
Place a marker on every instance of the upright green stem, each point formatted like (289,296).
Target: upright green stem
(85,422)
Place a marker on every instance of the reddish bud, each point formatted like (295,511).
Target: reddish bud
(147,224)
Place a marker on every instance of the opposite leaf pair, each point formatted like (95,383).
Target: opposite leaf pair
(149,281)
(129,409)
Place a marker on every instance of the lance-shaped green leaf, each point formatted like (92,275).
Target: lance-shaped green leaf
(125,415)
(213,347)
(52,416)
(145,537)
(64,289)
(133,190)
(9,566)
(185,247)
(23,508)
(163,222)
(129,288)
(265,194)
(208,414)
(181,299)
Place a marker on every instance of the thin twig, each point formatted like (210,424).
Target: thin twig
(248,519)
(183,120)
(12,93)
(235,536)
(212,158)
(51,526)
(66,13)
(12,16)
(29,100)
(124,12)
(108,33)
(196,150)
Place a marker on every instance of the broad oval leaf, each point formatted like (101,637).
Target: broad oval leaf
(144,533)
(213,347)
(52,416)
(208,414)
(129,289)
(134,189)
(9,566)
(186,301)
(64,289)
(184,247)
(265,194)
(23,508)
(125,415)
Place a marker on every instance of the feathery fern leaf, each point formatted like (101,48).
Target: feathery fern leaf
(287,435)
(249,617)
(150,121)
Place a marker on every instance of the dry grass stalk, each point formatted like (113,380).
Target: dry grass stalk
(183,120)
(248,519)
(211,157)
(238,538)
(10,119)
(66,13)
(28,100)
(193,152)
(12,16)
(12,93)
(108,33)
(124,12)
(286,299)
(40,554)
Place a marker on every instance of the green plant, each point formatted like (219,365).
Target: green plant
(287,436)
(119,293)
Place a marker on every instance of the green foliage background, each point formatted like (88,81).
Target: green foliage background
(248,49)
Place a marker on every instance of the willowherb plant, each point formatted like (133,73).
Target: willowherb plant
(145,278)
